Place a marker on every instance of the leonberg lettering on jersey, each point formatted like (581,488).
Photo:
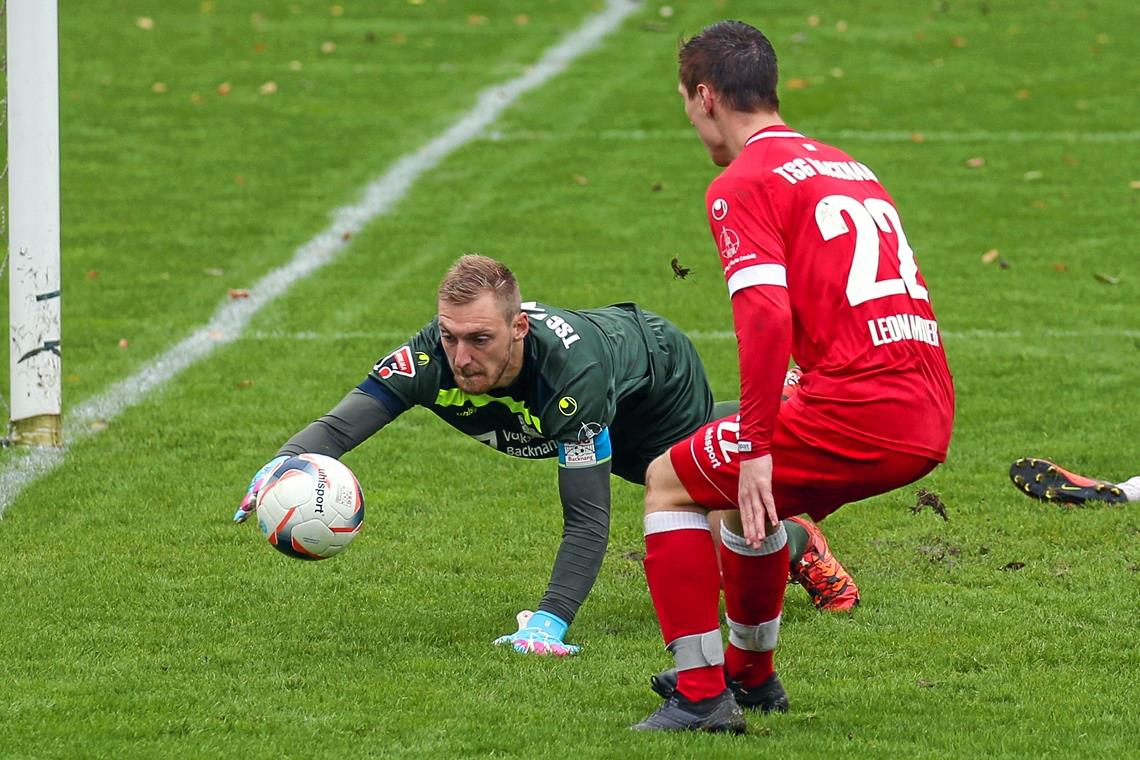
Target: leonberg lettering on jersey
(399,362)
(898,327)
(805,168)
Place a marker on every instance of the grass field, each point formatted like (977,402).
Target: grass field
(137,621)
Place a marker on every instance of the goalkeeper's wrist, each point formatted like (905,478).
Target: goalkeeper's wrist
(548,623)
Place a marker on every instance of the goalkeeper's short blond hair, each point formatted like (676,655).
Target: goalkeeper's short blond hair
(473,275)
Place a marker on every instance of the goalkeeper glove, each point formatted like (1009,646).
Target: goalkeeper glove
(539,633)
(249,503)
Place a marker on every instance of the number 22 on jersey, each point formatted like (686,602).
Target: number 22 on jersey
(872,218)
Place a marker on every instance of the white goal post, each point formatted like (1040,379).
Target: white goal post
(33,222)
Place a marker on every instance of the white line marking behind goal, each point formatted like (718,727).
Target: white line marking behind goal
(377,199)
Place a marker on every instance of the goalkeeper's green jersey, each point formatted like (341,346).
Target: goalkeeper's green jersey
(616,381)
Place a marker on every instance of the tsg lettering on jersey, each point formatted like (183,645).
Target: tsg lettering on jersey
(557,324)
(805,168)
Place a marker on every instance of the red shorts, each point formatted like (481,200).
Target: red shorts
(805,477)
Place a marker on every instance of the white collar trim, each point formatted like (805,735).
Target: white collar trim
(762,135)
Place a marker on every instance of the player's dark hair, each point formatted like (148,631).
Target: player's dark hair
(737,61)
(473,275)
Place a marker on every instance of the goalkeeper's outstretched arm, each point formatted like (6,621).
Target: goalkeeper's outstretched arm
(355,419)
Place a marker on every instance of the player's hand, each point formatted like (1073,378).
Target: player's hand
(757,506)
(249,502)
(539,633)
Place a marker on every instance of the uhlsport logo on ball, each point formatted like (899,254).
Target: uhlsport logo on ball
(310,507)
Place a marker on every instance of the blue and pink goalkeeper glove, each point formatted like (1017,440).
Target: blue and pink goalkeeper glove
(539,633)
(249,502)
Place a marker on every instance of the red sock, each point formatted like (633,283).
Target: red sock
(754,583)
(684,582)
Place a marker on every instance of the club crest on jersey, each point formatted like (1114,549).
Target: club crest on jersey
(719,209)
(399,362)
(589,431)
(728,242)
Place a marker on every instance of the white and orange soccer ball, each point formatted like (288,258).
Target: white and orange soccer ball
(310,507)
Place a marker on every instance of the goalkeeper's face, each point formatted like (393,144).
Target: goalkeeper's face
(483,346)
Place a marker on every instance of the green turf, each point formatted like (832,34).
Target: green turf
(138,622)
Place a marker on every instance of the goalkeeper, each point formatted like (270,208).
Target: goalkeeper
(603,390)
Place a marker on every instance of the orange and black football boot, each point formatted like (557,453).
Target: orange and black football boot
(829,585)
(1044,480)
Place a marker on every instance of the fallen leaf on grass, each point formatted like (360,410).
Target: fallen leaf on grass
(917,137)
(1012,566)
(634,556)
(1059,267)
(654,26)
(579,179)
(241,385)
(146,23)
(158,88)
(214,271)
(92,274)
(224,89)
(679,272)
(990,256)
(975,163)
(328,47)
(238,293)
(657,187)
(476,19)
(124,343)
(1107,279)
(1134,184)
(798,84)
(268,88)
(922,683)
(97,425)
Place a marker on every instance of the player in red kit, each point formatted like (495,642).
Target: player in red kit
(818,269)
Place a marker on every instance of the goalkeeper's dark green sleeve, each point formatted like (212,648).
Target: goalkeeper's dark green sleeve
(585,495)
(356,418)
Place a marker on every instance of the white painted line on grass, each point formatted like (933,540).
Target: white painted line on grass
(377,199)
(387,339)
(842,135)
(978,334)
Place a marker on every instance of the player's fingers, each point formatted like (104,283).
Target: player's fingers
(769,506)
(748,519)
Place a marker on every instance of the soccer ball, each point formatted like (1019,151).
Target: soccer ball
(310,507)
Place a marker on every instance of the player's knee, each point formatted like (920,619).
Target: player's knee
(663,491)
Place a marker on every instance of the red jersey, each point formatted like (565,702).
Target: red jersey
(818,267)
